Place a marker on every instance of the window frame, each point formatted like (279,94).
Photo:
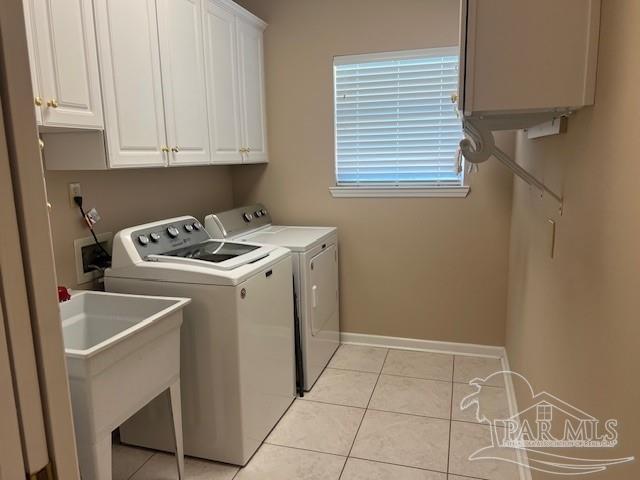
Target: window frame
(404,189)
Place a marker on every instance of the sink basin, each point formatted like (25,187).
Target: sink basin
(95,321)
(122,351)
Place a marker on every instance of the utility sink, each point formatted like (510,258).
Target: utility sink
(122,351)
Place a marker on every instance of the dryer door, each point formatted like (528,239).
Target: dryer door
(323,287)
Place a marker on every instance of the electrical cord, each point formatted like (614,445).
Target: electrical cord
(78,201)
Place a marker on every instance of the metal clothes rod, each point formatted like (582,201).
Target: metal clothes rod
(483,147)
(524,174)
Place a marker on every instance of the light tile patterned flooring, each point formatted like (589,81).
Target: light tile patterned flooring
(374,414)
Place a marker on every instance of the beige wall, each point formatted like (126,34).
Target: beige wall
(422,268)
(573,322)
(130,197)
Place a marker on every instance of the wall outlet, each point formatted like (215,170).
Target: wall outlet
(74,191)
(86,252)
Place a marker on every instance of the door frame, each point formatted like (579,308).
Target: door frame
(11,460)
(28,183)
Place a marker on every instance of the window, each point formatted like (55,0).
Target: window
(397,132)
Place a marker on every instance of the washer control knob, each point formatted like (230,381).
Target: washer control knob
(264,211)
(247,217)
(173,232)
(188,227)
(155,237)
(258,213)
(143,240)
(197,225)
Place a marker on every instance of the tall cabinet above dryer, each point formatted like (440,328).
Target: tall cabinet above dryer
(235,83)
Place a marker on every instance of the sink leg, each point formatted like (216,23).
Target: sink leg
(176,415)
(95,460)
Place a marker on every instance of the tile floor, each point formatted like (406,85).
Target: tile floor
(374,414)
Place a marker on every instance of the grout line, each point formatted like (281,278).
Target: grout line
(313,400)
(364,414)
(140,467)
(453,374)
(353,370)
(334,404)
(400,465)
(417,415)
(304,449)
(466,476)
(430,379)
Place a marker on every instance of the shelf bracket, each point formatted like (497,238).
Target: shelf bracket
(480,145)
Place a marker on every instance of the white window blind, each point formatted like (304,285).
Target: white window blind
(395,123)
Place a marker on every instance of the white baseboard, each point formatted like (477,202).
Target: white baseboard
(422,345)
(454,349)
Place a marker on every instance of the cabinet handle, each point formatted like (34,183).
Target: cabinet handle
(175,149)
(38,101)
(53,103)
(164,149)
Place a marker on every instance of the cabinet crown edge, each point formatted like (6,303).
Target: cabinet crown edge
(242,12)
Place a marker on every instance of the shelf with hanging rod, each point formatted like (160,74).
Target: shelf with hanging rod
(522,67)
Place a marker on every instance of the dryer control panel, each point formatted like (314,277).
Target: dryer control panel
(166,237)
(237,221)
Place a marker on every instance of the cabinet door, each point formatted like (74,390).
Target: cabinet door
(252,92)
(132,87)
(33,52)
(67,63)
(183,81)
(221,56)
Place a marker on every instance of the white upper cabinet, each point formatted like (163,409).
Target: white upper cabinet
(522,59)
(222,83)
(132,83)
(252,92)
(64,63)
(183,81)
(235,83)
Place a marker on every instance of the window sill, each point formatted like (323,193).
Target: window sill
(398,192)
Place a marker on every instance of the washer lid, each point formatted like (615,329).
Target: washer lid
(297,239)
(225,255)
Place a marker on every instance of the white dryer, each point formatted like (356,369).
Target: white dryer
(315,273)
(237,339)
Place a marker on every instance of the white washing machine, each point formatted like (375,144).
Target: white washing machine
(237,338)
(315,273)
